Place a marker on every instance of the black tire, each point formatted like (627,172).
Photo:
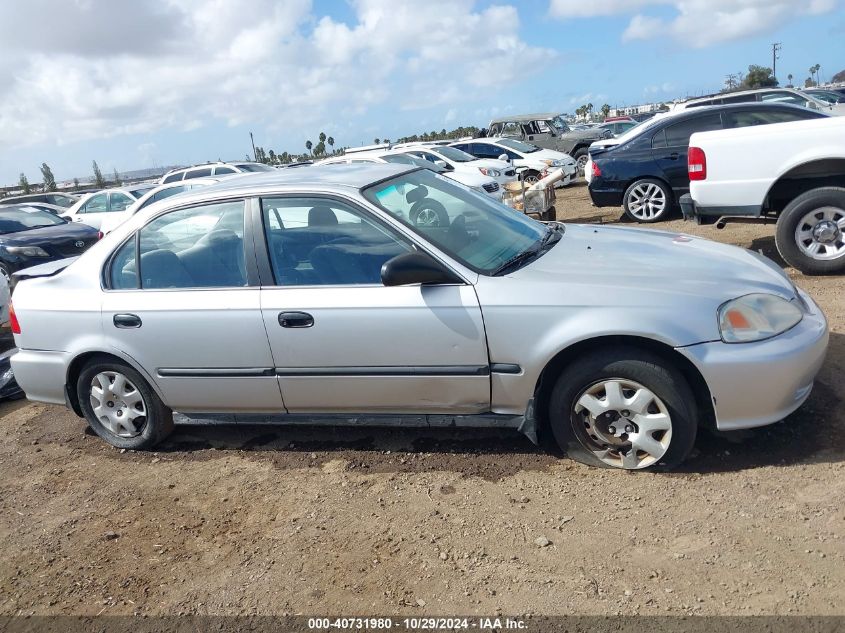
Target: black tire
(156,425)
(439,211)
(581,155)
(626,364)
(530,176)
(794,215)
(648,184)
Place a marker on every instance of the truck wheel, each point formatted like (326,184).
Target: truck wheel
(647,200)
(811,231)
(581,157)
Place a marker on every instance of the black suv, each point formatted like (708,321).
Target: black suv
(647,173)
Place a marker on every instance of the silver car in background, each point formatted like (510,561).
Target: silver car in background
(307,296)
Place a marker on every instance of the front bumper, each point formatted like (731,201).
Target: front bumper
(755,384)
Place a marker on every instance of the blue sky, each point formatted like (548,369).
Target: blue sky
(184,81)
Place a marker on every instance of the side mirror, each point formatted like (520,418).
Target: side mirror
(441,163)
(504,157)
(416,268)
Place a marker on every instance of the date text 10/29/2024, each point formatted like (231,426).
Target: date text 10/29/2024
(417,624)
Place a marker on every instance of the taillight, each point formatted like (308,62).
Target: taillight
(596,170)
(13,320)
(696,164)
(100,235)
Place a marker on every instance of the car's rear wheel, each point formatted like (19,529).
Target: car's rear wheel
(623,408)
(581,157)
(121,407)
(811,231)
(428,213)
(647,200)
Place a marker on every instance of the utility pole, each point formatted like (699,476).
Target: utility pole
(776,46)
(251,140)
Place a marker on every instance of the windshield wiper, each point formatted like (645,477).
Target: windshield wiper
(534,251)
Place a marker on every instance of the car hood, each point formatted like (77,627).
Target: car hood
(594,134)
(657,262)
(48,234)
(551,154)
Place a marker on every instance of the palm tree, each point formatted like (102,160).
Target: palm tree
(330,141)
(789,78)
(818,68)
(376,141)
(309,145)
(605,110)
(322,137)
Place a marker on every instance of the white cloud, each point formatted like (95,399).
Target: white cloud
(89,69)
(696,23)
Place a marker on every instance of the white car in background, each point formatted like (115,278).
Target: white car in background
(535,163)
(499,170)
(473,180)
(112,220)
(95,207)
(213,169)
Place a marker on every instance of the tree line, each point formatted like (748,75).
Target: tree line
(48,180)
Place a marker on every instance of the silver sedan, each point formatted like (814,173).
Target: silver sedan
(307,296)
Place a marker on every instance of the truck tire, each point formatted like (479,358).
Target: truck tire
(810,232)
(581,156)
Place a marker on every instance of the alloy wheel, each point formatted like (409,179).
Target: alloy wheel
(427,217)
(820,234)
(646,201)
(623,423)
(118,404)
(581,164)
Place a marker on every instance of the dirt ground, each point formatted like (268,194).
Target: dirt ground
(270,520)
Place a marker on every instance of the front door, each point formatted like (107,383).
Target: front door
(189,316)
(342,341)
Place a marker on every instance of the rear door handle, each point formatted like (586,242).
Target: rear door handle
(295,319)
(672,156)
(126,321)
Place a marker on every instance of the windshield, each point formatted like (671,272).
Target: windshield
(559,124)
(638,129)
(452,153)
(406,159)
(253,167)
(140,191)
(22,219)
(519,146)
(478,232)
(828,97)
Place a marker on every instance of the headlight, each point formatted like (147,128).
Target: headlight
(756,317)
(558,162)
(493,173)
(28,251)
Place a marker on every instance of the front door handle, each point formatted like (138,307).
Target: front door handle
(295,319)
(126,320)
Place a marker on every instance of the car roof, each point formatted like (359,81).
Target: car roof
(748,105)
(526,117)
(353,176)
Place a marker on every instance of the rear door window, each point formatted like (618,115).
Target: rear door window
(173,177)
(98,203)
(223,170)
(677,135)
(119,201)
(748,118)
(198,173)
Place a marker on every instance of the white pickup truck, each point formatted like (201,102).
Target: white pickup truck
(791,173)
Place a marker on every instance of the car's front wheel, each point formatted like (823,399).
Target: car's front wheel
(811,231)
(623,408)
(647,200)
(120,406)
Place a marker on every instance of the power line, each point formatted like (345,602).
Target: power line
(776,47)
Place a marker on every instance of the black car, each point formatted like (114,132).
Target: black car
(30,236)
(647,173)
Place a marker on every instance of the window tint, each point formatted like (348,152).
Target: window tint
(319,242)
(659,140)
(61,201)
(119,201)
(200,247)
(122,275)
(198,173)
(783,97)
(485,150)
(98,203)
(223,170)
(173,177)
(677,135)
(751,117)
(748,98)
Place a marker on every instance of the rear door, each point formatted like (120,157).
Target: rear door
(92,211)
(181,302)
(342,342)
(670,145)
